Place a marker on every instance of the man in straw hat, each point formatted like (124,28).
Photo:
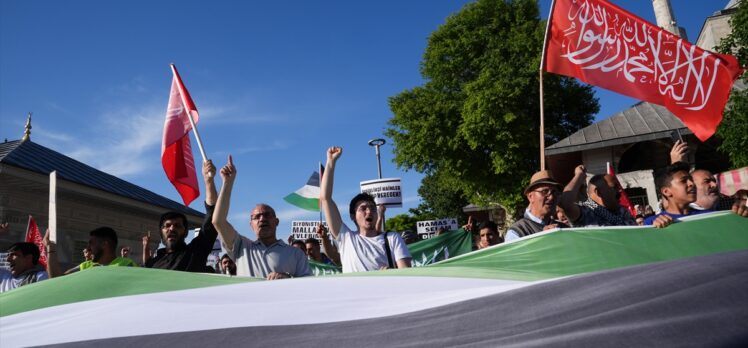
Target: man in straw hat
(542,193)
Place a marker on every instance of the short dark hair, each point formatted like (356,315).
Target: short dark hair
(107,234)
(300,242)
(490,225)
(312,240)
(26,249)
(358,198)
(225,256)
(172,215)
(598,179)
(666,175)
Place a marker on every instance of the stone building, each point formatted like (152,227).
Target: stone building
(86,199)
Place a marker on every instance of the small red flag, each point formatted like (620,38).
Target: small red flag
(606,46)
(34,236)
(624,199)
(176,151)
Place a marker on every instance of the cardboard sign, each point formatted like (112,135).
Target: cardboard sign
(427,229)
(386,191)
(306,229)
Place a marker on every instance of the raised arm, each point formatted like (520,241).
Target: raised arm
(569,196)
(679,152)
(381,209)
(332,214)
(53,265)
(146,248)
(330,250)
(220,215)
(209,175)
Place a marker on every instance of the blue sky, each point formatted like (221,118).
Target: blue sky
(276,83)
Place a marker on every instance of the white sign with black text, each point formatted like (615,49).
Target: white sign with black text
(386,191)
(302,230)
(428,229)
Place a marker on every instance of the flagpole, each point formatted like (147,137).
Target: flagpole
(540,73)
(189,114)
(28,225)
(319,169)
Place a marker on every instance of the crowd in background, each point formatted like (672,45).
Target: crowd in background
(684,190)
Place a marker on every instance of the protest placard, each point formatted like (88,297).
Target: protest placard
(385,191)
(427,229)
(302,230)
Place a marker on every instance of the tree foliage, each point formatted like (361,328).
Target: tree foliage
(473,125)
(734,127)
(439,201)
(401,222)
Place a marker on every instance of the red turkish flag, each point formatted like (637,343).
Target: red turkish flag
(606,46)
(34,236)
(176,152)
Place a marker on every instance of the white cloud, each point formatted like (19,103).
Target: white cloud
(117,141)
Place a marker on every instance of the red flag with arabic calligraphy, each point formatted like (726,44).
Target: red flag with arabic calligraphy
(606,46)
(623,199)
(34,236)
(176,151)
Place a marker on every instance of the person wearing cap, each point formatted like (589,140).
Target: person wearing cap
(601,207)
(542,193)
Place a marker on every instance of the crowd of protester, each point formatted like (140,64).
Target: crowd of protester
(551,205)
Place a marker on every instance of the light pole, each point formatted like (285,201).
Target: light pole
(376,143)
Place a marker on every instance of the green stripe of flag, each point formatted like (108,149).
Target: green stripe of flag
(104,282)
(311,204)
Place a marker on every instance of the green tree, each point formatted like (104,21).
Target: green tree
(439,201)
(401,222)
(734,126)
(474,123)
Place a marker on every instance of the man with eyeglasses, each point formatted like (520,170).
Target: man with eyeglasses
(601,207)
(542,193)
(178,255)
(367,249)
(268,257)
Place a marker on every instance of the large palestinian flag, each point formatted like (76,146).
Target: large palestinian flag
(685,285)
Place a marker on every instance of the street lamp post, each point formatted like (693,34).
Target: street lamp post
(376,143)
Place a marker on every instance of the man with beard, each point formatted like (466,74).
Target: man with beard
(103,244)
(601,207)
(707,191)
(227,265)
(178,255)
(542,193)
(267,257)
(23,259)
(367,249)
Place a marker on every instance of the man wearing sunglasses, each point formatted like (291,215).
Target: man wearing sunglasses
(542,193)
(601,207)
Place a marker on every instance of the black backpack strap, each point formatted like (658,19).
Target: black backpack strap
(387,250)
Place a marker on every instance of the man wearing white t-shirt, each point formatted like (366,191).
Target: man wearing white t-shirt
(365,249)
